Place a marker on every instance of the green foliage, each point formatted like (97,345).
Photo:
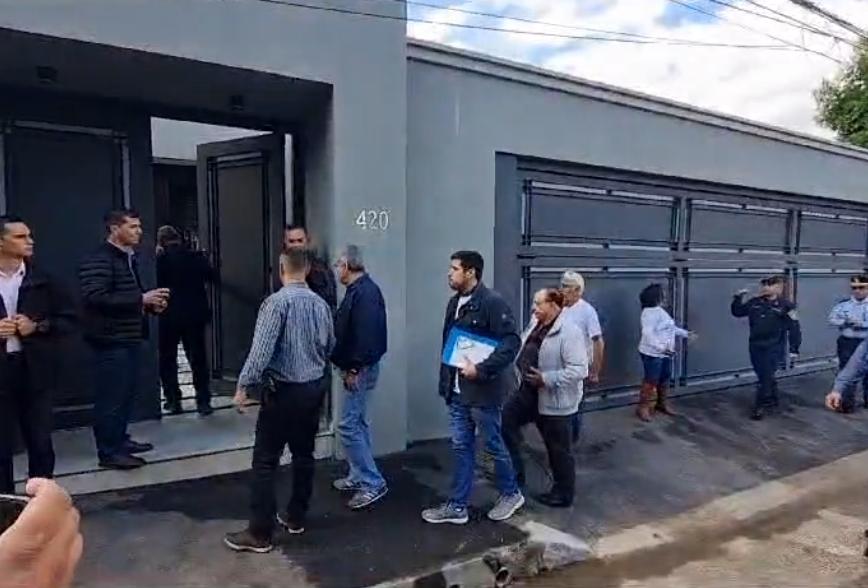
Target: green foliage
(842,102)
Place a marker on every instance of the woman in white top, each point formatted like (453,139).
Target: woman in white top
(657,347)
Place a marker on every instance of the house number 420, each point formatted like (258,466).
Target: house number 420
(373,220)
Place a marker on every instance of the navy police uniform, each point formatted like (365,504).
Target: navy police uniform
(772,324)
(850,316)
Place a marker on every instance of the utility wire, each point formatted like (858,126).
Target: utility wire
(497,16)
(803,27)
(747,28)
(796,20)
(831,17)
(685,43)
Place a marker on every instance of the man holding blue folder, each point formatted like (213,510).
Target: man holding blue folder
(480,342)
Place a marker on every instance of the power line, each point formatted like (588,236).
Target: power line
(801,26)
(495,15)
(747,28)
(831,17)
(685,43)
(796,20)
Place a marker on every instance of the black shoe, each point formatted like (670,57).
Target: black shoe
(554,500)
(133,447)
(245,541)
(289,524)
(121,462)
(757,414)
(205,410)
(173,407)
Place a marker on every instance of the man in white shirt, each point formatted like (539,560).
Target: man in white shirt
(585,317)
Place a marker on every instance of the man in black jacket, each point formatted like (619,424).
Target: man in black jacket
(320,278)
(114,314)
(474,392)
(360,331)
(34,312)
(184,273)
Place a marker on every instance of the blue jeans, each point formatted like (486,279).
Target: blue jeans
(116,375)
(355,431)
(463,422)
(658,370)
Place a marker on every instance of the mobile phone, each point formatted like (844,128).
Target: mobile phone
(11,508)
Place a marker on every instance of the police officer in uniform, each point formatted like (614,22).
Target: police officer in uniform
(771,319)
(850,316)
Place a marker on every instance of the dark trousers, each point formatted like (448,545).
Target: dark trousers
(765,360)
(846,347)
(289,415)
(116,375)
(29,410)
(192,337)
(520,410)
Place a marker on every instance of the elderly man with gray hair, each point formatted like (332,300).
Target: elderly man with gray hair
(578,311)
(360,330)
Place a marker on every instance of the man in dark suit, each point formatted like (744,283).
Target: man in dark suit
(320,277)
(33,313)
(184,273)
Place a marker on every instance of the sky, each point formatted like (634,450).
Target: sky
(773,86)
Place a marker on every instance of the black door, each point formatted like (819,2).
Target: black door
(62,182)
(241,207)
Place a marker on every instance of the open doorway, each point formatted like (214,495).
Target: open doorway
(227,191)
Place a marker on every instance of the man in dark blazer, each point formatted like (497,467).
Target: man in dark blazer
(33,313)
(184,273)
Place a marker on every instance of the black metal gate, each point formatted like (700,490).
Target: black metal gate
(703,241)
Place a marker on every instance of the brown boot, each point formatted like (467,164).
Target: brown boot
(647,394)
(662,403)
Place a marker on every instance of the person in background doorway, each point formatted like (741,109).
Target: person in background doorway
(552,363)
(184,273)
(773,321)
(475,392)
(657,347)
(361,342)
(320,277)
(850,316)
(584,316)
(43,546)
(34,312)
(115,308)
(292,341)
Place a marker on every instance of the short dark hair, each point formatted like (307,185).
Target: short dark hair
(168,235)
(651,296)
(296,260)
(772,281)
(8,219)
(554,295)
(470,260)
(117,216)
(295,227)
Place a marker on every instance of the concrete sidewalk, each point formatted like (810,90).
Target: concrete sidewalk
(629,476)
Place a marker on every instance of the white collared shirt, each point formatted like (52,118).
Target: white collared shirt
(10,284)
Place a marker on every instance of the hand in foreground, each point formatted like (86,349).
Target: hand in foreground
(534,377)
(833,400)
(240,400)
(8,328)
(468,370)
(43,547)
(24,325)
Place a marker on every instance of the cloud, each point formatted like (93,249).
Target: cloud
(770,86)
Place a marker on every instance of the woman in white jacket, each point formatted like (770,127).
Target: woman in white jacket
(656,348)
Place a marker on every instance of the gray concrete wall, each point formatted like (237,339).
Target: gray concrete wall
(362,159)
(459,117)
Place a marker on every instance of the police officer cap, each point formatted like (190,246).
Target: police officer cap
(772,280)
(860,280)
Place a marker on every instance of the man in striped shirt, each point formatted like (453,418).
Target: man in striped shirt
(293,339)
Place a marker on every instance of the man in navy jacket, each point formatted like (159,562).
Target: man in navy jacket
(360,331)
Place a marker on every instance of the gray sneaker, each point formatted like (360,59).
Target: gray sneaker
(346,485)
(506,506)
(445,513)
(364,498)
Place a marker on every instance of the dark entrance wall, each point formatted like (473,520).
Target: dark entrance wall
(67,160)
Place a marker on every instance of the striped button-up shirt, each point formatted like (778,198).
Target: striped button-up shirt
(293,338)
